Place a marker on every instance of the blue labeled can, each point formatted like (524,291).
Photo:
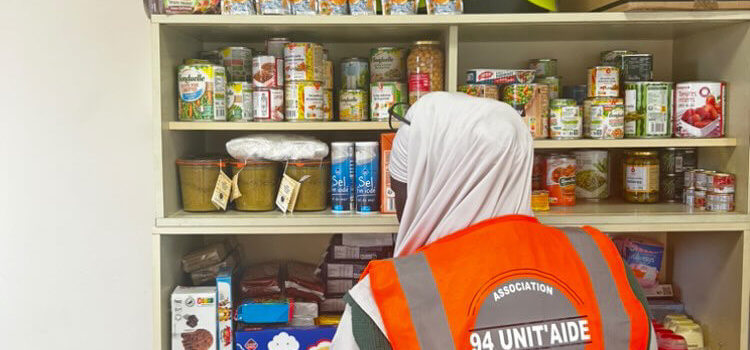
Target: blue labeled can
(368,164)
(342,176)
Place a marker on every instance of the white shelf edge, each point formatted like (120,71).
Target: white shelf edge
(280,126)
(635,143)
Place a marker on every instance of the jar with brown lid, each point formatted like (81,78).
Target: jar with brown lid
(426,69)
(641,175)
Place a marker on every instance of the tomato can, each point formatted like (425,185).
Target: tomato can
(702,179)
(268,104)
(538,172)
(238,61)
(565,120)
(481,90)
(303,62)
(604,118)
(648,109)
(544,67)
(604,81)
(532,103)
(719,202)
(239,102)
(721,183)
(303,101)
(699,199)
(201,92)
(700,109)
(353,105)
(592,174)
(383,95)
(268,71)
(540,200)
(561,179)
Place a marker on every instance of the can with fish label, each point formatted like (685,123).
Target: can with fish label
(239,102)
(268,104)
(303,101)
(721,183)
(720,202)
(342,176)
(367,166)
(202,92)
(238,61)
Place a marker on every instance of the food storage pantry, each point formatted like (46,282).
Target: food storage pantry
(680,196)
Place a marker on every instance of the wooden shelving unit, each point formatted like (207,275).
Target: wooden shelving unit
(709,253)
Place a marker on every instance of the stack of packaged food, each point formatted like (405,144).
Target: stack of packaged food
(305,8)
(204,264)
(345,260)
(709,190)
(678,332)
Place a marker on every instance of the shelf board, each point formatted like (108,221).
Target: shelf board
(635,143)
(282,126)
(610,215)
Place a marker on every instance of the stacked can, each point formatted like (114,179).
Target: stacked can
(304,75)
(387,77)
(709,190)
(268,88)
(604,110)
(546,73)
(674,164)
(238,61)
(342,176)
(354,96)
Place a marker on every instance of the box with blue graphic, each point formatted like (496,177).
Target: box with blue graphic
(290,338)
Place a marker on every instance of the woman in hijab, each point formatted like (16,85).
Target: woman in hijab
(472,268)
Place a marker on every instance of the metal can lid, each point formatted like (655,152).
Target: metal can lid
(358,59)
(722,174)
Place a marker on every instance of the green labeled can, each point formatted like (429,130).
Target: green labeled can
(383,95)
(201,92)
(648,109)
(239,101)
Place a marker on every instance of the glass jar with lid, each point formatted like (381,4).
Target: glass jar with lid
(426,69)
(198,176)
(258,181)
(641,176)
(313,174)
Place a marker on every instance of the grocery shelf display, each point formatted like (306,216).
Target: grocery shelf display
(706,253)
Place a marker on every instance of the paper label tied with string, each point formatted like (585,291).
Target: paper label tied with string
(236,187)
(286,199)
(222,191)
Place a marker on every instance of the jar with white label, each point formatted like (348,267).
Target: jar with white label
(641,175)
(425,67)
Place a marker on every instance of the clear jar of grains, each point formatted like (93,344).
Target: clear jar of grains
(426,69)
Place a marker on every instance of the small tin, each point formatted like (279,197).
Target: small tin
(328,74)
(275,46)
(637,67)
(353,105)
(544,67)
(699,199)
(481,90)
(688,197)
(604,81)
(690,176)
(355,73)
(612,57)
(268,71)
(604,118)
(239,102)
(303,101)
(328,104)
(383,95)
(721,183)
(671,187)
(303,62)
(387,64)
(238,61)
(702,179)
(719,202)
(268,104)
(554,86)
(565,120)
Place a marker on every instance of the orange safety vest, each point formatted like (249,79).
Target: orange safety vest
(510,283)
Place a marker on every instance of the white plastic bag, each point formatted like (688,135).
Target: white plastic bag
(277,147)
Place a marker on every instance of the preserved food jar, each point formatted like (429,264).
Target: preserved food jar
(313,174)
(425,66)
(198,177)
(258,181)
(641,176)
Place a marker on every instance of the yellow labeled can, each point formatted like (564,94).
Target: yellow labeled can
(304,101)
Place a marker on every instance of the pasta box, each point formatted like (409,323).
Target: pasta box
(288,338)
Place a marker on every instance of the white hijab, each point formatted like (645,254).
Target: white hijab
(464,160)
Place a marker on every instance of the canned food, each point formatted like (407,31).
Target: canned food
(637,67)
(303,62)
(538,181)
(268,104)
(700,109)
(355,72)
(720,202)
(399,7)
(540,200)
(362,7)
(672,186)
(268,71)
(721,183)
(612,58)
(202,92)
(561,180)
(604,81)
(239,102)
(328,104)
(333,7)
(445,7)
(648,109)
(353,105)
(387,64)
(565,120)
(273,7)
(275,46)
(328,74)
(575,92)
(690,177)
(702,179)
(699,199)
(592,174)
(604,118)
(688,197)
(238,61)
(544,67)
(304,7)
(500,76)
(383,95)
(212,56)
(303,101)
(481,90)
(554,86)
(678,160)
(532,103)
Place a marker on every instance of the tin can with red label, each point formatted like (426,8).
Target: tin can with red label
(268,104)
(702,179)
(720,202)
(268,71)
(721,183)
(561,179)
(699,200)
(700,109)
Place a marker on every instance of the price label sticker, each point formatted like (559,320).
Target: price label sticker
(286,199)
(222,191)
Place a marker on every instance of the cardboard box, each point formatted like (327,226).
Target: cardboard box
(194,315)
(289,338)
(264,312)
(387,196)
(224,307)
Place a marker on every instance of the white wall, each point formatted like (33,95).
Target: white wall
(76,178)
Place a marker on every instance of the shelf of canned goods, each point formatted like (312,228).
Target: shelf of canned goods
(709,252)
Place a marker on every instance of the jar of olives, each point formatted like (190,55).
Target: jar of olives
(641,175)
(426,69)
